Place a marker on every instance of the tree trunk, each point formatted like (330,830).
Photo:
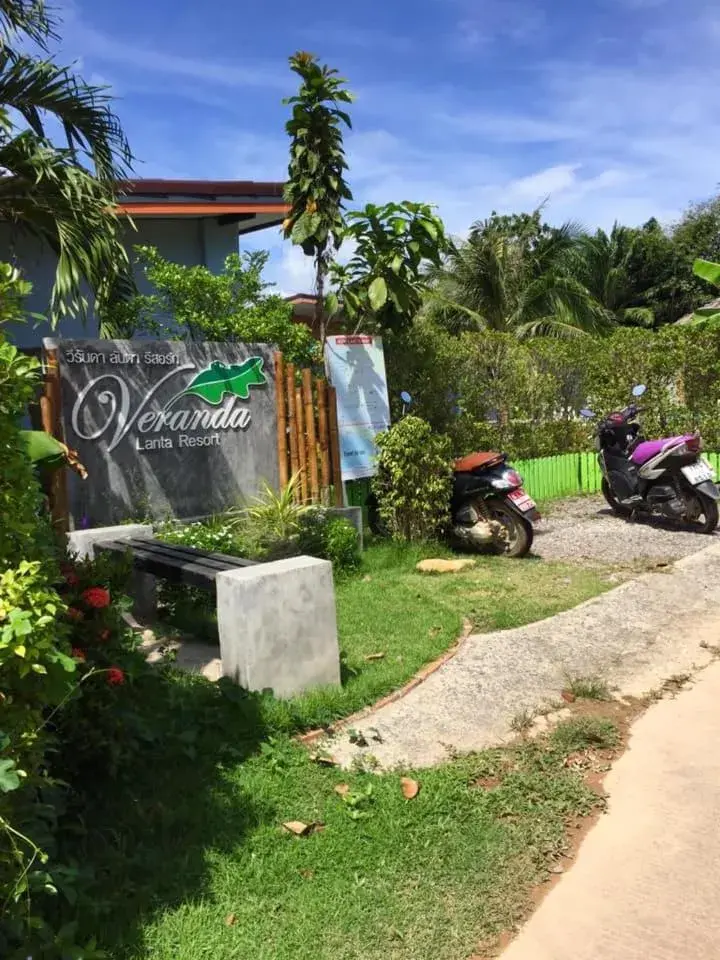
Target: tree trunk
(319,324)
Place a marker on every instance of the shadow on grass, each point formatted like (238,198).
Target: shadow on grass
(144,835)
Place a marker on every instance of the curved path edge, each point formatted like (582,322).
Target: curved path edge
(634,637)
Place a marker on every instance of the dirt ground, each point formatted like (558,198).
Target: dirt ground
(584,528)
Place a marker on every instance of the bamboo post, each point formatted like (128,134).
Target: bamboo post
(302,446)
(50,412)
(335,447)
(312,457)
(292,424)
(324,431)
(281,407)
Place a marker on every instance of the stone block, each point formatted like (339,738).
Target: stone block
(353,514)
(82,542)
(278,627)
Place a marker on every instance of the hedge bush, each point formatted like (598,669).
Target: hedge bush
(413,484)
(491,390)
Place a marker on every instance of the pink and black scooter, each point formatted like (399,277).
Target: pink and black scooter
(665,478)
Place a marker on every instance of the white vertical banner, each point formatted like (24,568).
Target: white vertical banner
(356,368)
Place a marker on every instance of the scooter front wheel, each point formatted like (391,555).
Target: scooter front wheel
(617,508)
(703,513)
(517,531)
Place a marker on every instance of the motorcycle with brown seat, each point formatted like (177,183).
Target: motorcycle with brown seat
(490,509)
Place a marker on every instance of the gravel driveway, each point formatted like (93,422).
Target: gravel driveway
(584,529)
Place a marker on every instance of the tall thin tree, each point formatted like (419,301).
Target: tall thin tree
(316,188)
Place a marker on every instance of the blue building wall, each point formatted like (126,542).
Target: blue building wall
(187,241)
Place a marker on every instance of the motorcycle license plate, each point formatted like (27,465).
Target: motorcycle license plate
(698,472)
(522,500)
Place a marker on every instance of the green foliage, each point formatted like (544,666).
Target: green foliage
(331,538)
(22,531)
(316,188)
(632,273)
(490,391)
(63,194)
(414,480)
(36,673)
(272,517)
(196,304)
(382,285)
(707,318)
(516,273)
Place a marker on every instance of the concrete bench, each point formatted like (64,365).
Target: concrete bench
(276,621)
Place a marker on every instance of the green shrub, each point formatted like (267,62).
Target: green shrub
(342,545)
(329,538)
(413,484)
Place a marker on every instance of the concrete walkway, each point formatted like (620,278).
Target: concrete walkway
(646,882)
(634,637)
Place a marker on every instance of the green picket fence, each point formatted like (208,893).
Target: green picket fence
(549,478)
(545,478)
(570,474)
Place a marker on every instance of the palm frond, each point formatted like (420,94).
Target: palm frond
(45,192)
(37,87)
(29,17)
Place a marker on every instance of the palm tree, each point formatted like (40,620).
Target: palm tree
(516,274)
(64,195)
(631,272)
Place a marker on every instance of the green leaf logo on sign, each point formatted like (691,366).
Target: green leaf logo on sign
(220,380)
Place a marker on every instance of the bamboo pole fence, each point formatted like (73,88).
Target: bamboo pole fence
(307,442)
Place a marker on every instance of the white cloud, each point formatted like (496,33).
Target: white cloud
(78,36)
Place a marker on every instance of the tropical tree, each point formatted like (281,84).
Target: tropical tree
(633,273)
(193,303)
(62,194)
(316,188)
(382,285)
(515,273)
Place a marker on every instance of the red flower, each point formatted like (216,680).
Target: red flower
(96,597)
(104,635)
(115,677)
(74,614)
(78,653)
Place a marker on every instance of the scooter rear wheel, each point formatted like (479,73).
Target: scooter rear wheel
(613,502)
(706,517)
(518,531)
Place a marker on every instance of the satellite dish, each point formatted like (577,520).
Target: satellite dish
(586,413)
(405,397)
(639,390)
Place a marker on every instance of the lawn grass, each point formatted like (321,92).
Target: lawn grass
(206,870)
(188,857)
(412,618)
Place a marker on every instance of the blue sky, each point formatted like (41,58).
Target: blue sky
(608,108)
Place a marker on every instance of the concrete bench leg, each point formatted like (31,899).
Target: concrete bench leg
(277,626)
(143,591)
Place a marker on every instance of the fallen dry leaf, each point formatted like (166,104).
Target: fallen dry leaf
(307,874)
(568,697)
(230,920)
(374,656)
(342,789)
(299,829)
(410,788)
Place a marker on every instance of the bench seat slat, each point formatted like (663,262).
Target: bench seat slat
(185,565)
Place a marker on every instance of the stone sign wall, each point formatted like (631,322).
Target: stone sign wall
(166,428)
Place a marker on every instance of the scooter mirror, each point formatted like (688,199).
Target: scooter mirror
(639,390)
(405,397)
(586,413)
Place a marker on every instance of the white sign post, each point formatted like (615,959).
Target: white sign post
(356,368)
